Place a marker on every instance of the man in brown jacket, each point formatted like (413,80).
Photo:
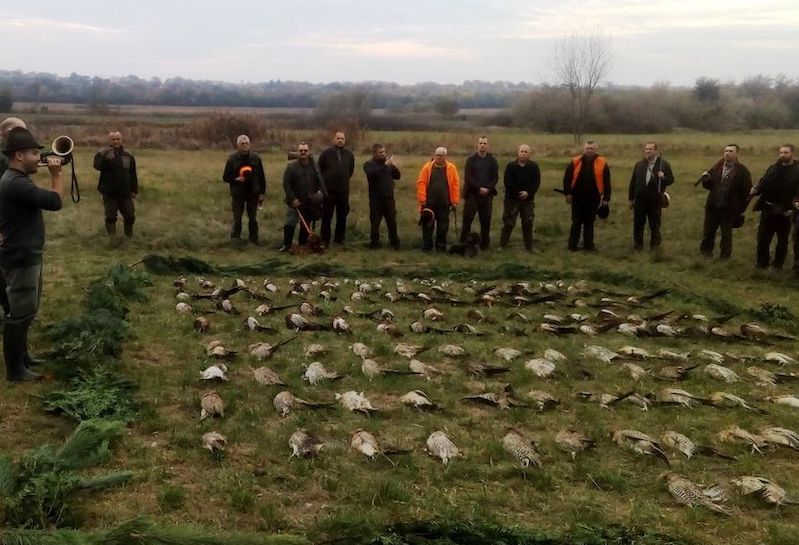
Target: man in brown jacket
(728,184)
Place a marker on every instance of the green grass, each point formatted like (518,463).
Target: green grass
(183,210)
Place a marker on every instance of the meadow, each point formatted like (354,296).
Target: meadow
(183,210)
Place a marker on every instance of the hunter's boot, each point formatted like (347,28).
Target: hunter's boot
(111,227)
(129,227)
(15,352)
(252,228)
(288,236)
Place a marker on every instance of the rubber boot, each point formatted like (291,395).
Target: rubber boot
(15,353)
(129,227)
(527,235)
(504,237)
(288,236)
(111,227)
(252,228)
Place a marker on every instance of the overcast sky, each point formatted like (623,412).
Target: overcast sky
(407,41)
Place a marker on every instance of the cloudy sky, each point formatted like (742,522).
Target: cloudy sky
(410,41)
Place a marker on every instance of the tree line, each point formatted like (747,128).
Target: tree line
(757,102)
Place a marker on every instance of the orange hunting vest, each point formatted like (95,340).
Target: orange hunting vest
(599,171)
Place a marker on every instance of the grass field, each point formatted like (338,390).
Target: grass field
(183,209)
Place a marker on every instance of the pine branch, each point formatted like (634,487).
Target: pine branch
(8,477)
(108,480)
(88,444)
(140,531)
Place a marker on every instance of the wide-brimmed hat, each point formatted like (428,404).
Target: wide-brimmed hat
(603,212)
(20,139)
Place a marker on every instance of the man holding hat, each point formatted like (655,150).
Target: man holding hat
(728,183)
(586,186)
(118,184)
(651,175)
(22,235)
(438,192)
(522,180)
(244,172)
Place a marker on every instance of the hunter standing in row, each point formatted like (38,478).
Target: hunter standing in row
(5,127)
(778,188)
(728,183)
(650,178)
(22,234)
(381,173)
(336,164)
(305,192)
(118,184)
(480,176)
(522,180)
(438,192)
(586,187)
(244,172)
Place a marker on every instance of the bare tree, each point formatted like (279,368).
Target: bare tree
(580,62)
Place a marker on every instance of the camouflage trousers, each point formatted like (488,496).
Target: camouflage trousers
(23,293)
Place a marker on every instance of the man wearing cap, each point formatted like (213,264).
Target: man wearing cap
(118,183)
(522,179)
(438,192)
(381,174)
(728,183)
(22,230)
(244,173)
(305,193)
(480,176)
(5,127)
(337,164)
(777,190)
(651,175)
(586,186)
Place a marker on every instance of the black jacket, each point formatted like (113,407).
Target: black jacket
(522,178)
(640,190)
(117,174)
(253,184)
(337,166)
(480,172)
(21,221)
(301,181)
(777,188)
(380,178)
(737,195)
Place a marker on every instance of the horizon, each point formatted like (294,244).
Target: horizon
(454,42)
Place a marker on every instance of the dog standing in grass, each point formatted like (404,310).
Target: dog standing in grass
(470,248)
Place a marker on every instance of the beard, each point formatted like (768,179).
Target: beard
(31,167)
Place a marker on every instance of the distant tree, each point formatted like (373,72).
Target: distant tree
(580,63)
(97,99)
(707,90)
(353,105)
(446,106)
(6,100)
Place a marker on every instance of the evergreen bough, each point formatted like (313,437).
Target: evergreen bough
(140,531)
(36,491)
